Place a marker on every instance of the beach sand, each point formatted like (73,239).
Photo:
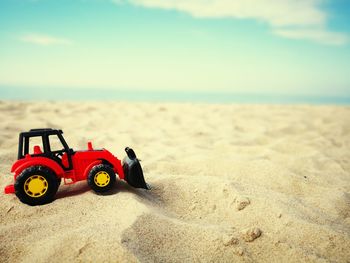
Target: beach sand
(230,183)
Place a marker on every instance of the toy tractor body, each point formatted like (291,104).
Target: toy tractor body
(44,159)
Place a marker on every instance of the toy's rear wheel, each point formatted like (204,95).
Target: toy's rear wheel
(101,178)
(36,185)
(59,180)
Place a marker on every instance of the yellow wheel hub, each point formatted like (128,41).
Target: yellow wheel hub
(102,179)
(36,186)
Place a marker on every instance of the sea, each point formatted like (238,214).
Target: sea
(103,94)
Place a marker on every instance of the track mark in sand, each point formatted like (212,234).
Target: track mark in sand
(188,221)
(155,238)
(188,199)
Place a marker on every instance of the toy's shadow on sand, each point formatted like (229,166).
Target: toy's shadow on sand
(82,187)
(71,190)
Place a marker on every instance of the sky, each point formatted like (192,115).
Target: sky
(297,47)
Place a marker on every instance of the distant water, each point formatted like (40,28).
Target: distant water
(76,94)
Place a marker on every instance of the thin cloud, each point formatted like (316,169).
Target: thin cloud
(44,40)
(274,12)
(315,35)
(283,16)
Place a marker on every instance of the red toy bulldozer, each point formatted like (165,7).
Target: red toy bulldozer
(38,173)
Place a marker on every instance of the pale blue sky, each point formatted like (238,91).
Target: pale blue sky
(246,46)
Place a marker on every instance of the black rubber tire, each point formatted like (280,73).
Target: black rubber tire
(59,180)
(45,172)
(99,168)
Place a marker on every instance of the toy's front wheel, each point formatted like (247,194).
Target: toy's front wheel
(36,185)
(101,178)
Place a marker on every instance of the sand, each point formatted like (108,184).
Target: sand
(230,183)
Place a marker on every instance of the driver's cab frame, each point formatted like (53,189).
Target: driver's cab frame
(24,143)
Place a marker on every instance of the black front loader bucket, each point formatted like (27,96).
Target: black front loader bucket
(133,170)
